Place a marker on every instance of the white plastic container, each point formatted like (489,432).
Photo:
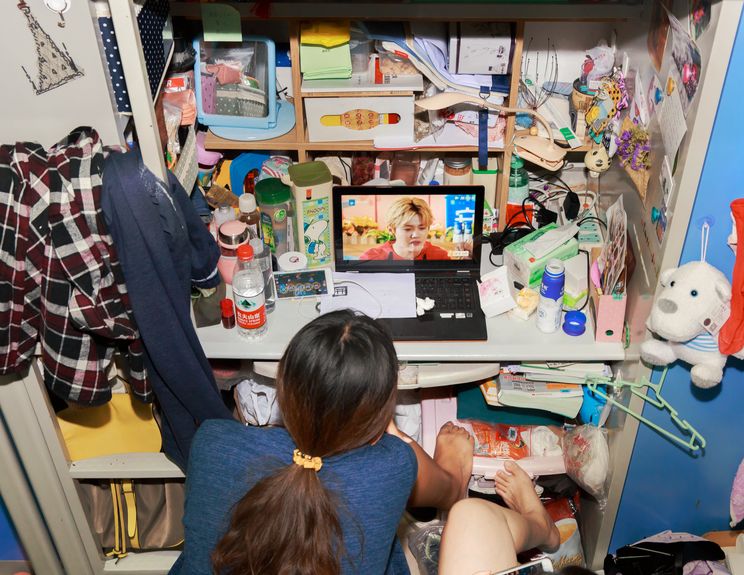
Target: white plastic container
(311,187)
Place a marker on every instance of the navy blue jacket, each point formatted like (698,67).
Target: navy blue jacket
(164,248)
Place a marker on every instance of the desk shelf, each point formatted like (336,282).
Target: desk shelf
(508,340)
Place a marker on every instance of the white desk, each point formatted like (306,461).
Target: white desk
(512,340)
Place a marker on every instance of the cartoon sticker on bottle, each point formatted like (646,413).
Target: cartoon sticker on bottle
(316,223)
(250,312)
(268,231)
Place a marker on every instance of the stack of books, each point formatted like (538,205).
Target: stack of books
(549,387)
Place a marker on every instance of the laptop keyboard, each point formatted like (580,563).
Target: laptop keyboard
(449,293)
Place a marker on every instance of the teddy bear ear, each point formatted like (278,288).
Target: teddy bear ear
(665,276)
(723,289)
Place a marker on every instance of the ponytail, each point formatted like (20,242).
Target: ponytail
(286,524)
(336,390)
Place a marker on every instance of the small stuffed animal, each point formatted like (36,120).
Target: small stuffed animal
(691,294)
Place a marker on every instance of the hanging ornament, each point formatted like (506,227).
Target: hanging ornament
(60,7)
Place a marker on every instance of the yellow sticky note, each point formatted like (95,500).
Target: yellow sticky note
(221,23)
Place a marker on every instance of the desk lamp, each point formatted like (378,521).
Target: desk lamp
(535,149)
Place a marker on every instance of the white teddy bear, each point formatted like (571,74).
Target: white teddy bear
(691,295)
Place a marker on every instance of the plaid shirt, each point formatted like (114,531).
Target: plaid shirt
(60,280)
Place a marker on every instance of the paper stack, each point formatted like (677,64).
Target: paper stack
(324,50)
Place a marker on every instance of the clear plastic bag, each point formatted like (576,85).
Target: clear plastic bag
(424,544)
(239,77)
(587,458)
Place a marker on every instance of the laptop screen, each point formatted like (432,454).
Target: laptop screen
(405,228)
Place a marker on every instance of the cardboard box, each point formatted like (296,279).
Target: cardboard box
(369,118)
(480,48)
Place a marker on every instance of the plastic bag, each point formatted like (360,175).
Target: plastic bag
(408,414)
(424,544)
(256,399)
(571,552)
(499,440)
(587,459)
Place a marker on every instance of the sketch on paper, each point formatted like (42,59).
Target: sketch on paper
(55,65)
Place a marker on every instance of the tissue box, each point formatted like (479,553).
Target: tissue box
(480,48)
(343,119)
(527,270)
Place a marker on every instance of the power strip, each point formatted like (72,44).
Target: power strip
(590,232)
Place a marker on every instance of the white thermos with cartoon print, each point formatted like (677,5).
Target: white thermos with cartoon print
(311,185)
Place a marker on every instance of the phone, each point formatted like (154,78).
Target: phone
(305,283)
(532,568)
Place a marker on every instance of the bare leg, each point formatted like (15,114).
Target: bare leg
(482,537)
(441,481)
(535,528)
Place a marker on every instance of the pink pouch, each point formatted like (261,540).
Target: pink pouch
(225,73)
(208,90)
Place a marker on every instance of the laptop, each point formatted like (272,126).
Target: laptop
(430,231)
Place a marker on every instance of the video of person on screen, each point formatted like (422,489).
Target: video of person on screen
(426,227)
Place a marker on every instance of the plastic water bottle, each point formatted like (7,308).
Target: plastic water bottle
(248,294)
(262,256)
(550,306)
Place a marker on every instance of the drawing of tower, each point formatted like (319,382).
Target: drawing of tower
(55,65)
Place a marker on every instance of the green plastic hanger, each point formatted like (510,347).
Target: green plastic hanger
(694,442)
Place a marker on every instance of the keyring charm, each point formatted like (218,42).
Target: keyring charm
(60,7)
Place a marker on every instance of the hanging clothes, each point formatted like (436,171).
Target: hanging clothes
(60,280)
(165,248)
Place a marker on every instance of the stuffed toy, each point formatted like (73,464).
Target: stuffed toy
(691,300)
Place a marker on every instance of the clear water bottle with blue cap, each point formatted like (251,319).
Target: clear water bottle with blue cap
(550,306)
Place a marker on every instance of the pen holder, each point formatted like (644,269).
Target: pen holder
(608,309)
(609,315)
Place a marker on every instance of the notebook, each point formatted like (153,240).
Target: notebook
(430,231)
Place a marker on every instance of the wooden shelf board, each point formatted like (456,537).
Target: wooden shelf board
(286,142)
(368,146)
(357,94)
(598,12)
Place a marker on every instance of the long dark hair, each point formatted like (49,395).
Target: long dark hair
(336,390)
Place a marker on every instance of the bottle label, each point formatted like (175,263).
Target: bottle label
(250,311)
(280,215)
(268,231)
(255,230)
(316,221)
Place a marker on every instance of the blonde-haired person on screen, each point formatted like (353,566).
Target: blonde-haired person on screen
(409,219)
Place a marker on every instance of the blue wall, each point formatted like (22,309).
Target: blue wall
(10,548)
(666,488)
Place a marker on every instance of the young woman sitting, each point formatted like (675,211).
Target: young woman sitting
(324,494)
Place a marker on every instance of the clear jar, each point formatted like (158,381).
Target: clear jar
(458,171)
(230,236)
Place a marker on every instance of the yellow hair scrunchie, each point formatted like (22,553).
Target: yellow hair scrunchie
(307,461)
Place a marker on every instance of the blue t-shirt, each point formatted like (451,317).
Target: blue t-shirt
(227,459)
